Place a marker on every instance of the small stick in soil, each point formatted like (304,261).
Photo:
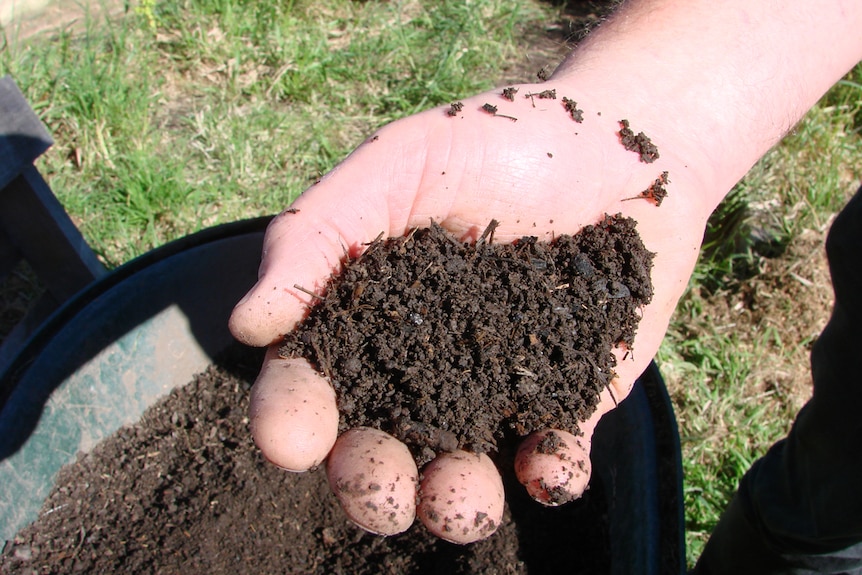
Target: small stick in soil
(419,277)
(492,109)
(656,193)
(489,232)
(611,392)
(308,292)
(375,240)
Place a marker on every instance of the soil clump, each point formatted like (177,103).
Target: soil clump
(446,344)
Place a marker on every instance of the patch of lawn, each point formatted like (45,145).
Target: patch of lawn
(724,351)
(189,113)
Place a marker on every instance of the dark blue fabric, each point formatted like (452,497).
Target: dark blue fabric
(799,508)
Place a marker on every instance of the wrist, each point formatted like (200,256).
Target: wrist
(715,85)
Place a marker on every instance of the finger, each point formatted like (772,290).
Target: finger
(293,413)
(301,251)
(554,466)
(375,479)
(461,497)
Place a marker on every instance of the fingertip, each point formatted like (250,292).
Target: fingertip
(293,414)
(375,479)
(461,497)
(245,324)
(554,466)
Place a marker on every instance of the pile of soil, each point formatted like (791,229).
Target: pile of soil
(447,344)
(186,491)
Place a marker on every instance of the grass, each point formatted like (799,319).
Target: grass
(729,407)
(188,113)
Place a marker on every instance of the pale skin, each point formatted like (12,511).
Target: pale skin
(714,84)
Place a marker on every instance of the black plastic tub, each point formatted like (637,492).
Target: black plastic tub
(152,324)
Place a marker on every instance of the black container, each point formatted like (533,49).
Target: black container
(152,324)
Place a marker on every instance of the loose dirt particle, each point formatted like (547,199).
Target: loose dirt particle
(492,109)
(477,341)
(639,143)
(509,93)
(656,192)
(454,108)
(543,95)
(572,108)
(550,444)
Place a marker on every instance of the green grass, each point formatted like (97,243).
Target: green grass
(727,412)
(188,113)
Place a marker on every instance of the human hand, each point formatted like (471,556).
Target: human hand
(542,174)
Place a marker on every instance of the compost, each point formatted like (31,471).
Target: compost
(448,344)
(186,491)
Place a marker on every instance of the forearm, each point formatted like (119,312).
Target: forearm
(720,81)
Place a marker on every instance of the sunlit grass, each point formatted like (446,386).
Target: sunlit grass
(189,113)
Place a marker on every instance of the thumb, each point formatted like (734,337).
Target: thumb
(305,245)
(373,191)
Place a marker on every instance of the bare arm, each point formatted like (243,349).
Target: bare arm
(722,80)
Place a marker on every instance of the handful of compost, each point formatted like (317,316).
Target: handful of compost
(445,354)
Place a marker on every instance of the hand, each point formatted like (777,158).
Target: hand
(543,174)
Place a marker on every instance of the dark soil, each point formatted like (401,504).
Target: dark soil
(185,491)
(639,143)
(447,344)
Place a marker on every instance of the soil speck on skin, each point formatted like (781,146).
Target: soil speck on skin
(471,345)
(455,108)
(543,95)
(639,143)
(572,108)
(490,108)
(656,192)
(550,444)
